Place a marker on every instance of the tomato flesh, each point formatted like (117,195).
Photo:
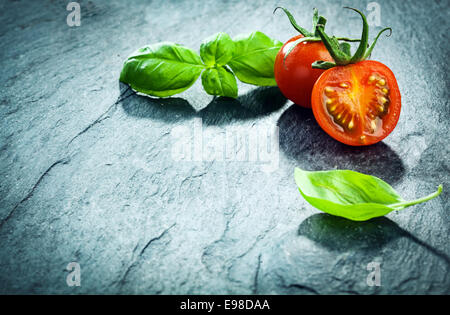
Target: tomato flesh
(294,75)
(358,104)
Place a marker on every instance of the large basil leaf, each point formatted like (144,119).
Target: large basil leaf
(254,58)
(162,69)
(217,50)
(351,195)
(220,81)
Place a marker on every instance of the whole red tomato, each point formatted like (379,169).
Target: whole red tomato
(294,75)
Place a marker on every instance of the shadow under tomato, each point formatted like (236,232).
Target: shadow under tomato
(339,234)
(302,139)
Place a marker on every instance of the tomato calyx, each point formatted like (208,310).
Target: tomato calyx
(340,52)
(317,20)
(314,36)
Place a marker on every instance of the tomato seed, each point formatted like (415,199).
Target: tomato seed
(383,100)
(351,124)
(329,90)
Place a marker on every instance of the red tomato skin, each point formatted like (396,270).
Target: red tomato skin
(295,77)
(389,122)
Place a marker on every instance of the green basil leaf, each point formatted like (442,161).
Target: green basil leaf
(254,59)
(217,50)
(351,195)
(162,69)
(220,82)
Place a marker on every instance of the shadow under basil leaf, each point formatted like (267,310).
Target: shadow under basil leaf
(339,234)
(170,109)
(335,233)
(302,139)
(165,109)
(222,110)
(258,102)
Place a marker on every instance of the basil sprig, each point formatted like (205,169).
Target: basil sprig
(166,69)
(352,195)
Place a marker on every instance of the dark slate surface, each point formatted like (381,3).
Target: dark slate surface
(87,173)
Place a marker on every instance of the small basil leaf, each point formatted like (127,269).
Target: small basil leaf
(350,194)
(217,50)
(162,69)
(254,58)
(220,82)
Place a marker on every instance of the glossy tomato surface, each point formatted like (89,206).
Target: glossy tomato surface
(358,104)
(295,77)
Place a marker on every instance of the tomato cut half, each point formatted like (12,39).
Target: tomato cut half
(357,104)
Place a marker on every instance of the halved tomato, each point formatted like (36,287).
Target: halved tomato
(357,104)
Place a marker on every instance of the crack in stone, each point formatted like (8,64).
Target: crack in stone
(30,194)
(297,286)
(206,253)
(155,239)
(192,177)
(249,249)
(137,259)
(255,280)
(405,281)
(105,115)
(188,179)
(303,287)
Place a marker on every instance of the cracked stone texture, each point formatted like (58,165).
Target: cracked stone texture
(88,174)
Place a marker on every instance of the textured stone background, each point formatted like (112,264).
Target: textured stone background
(87,173)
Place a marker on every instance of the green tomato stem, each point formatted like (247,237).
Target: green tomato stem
(360,52)
(332,45)
(324,65)
(369,51)
(291,18)
(345,39)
